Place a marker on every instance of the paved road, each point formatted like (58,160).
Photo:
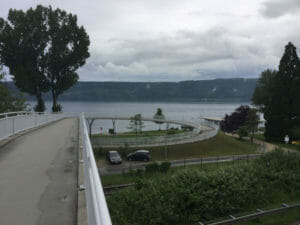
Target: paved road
(38,176)
(117,169)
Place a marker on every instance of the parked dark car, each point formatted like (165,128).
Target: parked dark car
(113,157)
(140,155)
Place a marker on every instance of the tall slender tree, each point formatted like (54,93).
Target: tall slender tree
(278,97)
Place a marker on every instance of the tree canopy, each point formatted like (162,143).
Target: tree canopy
(159,116)
(277,96)
(43,48)
(22,43)
(10,102)
(136,123)
(235,120)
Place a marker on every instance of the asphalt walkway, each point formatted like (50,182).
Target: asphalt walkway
(38,176)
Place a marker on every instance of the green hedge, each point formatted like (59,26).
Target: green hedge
(191,195)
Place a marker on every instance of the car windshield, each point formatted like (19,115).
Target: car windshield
(114,154)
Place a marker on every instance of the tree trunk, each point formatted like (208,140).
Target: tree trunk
(40,107)
(54,100)
(55,106)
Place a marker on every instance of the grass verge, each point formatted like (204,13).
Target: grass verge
(219,145)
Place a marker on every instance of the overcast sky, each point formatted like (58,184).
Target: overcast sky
(173,40)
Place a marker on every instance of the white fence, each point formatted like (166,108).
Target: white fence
(96,204)
(15,122)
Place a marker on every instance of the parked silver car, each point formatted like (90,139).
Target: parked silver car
(113,157)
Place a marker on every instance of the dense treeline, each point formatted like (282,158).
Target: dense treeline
(191,195)
(204,90)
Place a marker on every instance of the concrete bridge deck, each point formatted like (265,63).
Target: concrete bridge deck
(38,176)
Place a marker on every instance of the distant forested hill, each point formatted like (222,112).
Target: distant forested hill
(236,90)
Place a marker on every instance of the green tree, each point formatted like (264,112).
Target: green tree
(159,116)
(43,48)
(242,132)
(136,124)
(67,51)
(23,40)
(10,102)
(235,120)
(252,122)
(277,96)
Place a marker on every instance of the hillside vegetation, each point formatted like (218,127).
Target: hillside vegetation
(191,195)
(192,91)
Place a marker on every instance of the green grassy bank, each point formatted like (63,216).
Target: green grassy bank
(219,145)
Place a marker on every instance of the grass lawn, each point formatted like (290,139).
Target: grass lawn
(279,144)
(116,179)
(284,218)
(219,145)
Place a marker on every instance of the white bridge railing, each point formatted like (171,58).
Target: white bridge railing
(14,122)
(96,204)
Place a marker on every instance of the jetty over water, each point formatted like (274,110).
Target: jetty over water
(48,174)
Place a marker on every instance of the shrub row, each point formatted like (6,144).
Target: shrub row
(155,167)
(190,195)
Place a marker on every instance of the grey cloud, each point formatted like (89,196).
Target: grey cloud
(277,8)
(142,40)
(185,55)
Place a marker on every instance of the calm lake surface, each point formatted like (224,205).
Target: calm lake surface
(179,111)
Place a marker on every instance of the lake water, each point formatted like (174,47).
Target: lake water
(179,111)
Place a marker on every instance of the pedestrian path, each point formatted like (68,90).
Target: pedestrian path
(38,176)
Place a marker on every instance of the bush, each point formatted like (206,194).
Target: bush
(139,184)
(139,172)
(152,168)
(57,108)
(111,131)
(171,132)
(164,167)
(124,150)
(242,132)
(192,195)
